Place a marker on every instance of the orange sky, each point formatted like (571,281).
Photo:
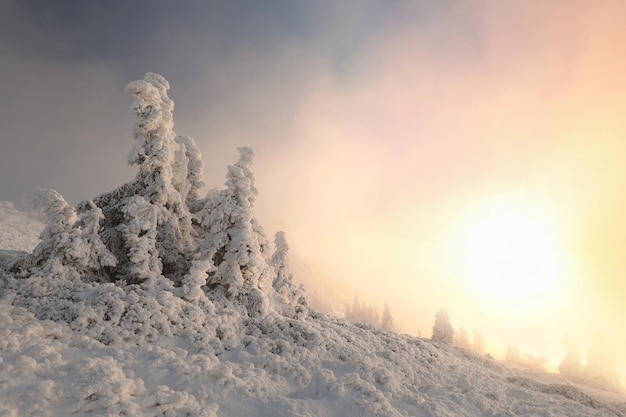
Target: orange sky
(525,100)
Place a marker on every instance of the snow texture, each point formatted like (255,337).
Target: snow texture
(224,333)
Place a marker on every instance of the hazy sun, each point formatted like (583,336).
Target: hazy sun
(511,257)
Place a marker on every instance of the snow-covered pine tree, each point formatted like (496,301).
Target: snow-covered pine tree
(99,257)
(70,246)
(163,168)
(353,313)
(479,343)
(387,319)
(192,182)
(571,365)
(601,370)
(463,339)
(169,177)
(512,355)
(442,329)
(140,234)
(291,299)
(235,243)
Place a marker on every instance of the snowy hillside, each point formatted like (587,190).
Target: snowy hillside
(152,301)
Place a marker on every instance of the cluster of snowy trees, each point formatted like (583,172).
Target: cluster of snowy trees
(368,314)
(600,370)
(513,356)
(443,332)
(158,225)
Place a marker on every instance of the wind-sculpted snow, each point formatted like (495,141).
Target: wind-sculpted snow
(151,301)
(20,231)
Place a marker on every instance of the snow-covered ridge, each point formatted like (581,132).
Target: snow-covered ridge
(152,301)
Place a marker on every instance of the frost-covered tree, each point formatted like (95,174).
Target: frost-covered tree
(538,364)
(601,370)
(155,228)
(463,339)
(236,244)
(442,329)
(98,256)
(387,319)
(140,234)
(169,178)
(363,313)
(70,246)
(571,365)
(195,279)
(512,355)
(189,173)
(154,149)
(291,298)
(479,343)
(164,169)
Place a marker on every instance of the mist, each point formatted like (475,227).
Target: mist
(376,137)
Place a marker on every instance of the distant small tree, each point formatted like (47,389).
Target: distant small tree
(479,344)
(538,364)
(463,340)
(601,370)
(353,313)
(387,320)
(571,366)
(442,329)
(512,355)
(363,313)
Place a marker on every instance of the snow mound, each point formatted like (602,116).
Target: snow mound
(20,231)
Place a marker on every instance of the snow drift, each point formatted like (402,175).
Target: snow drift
(152,301)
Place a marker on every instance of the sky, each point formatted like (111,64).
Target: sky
(404,147)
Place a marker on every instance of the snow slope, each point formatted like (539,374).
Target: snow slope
(90,349)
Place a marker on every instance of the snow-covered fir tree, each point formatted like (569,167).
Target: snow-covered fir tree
(512,355)
(442,329)
(601,369)
(463,339)
(236,245)
(70,246)
(571,365)
(291,298)
(479,343)
(387,318)
(363,313)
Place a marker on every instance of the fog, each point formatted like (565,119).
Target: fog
(379,134)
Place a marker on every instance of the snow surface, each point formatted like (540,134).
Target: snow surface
(89,349)
(197,318)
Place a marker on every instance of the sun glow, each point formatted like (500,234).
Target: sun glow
(512,259)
